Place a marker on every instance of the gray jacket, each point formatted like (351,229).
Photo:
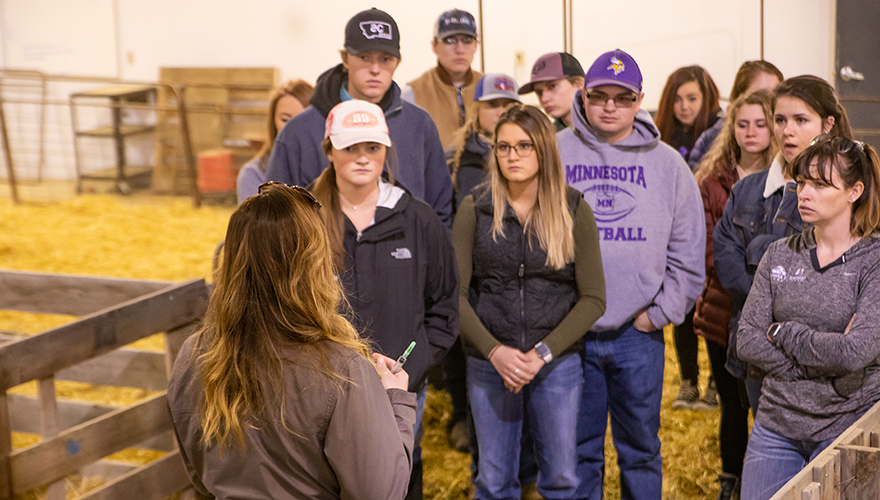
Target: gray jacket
(818,379)
(343,441)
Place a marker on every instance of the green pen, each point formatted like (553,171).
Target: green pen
(402,359)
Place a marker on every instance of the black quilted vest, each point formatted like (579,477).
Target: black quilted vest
(517,297)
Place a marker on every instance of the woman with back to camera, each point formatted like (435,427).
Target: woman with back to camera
(762,208)
(275,397)
(393,256)
(287,101)
(688,106)
(531,285)
(812,319)
(751,76)
(744,147)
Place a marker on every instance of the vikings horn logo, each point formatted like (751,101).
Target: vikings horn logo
(616,65)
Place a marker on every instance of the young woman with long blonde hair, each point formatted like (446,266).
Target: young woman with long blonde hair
(531,285)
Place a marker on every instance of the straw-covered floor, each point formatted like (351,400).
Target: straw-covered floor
(166,239)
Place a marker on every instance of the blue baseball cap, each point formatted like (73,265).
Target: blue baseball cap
(615,68)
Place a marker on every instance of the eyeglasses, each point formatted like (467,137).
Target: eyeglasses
(296,189)
(522,149)
(454,39)
(620,100)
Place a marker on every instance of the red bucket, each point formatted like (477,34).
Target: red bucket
(216,171)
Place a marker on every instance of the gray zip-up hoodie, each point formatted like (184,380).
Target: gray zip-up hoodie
(819,380)
(649,213)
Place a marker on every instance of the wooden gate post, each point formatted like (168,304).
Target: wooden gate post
(4,131)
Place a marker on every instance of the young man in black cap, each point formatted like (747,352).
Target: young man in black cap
(446,90)
(556,78)
(369,59)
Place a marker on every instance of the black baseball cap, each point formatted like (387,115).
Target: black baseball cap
(372,31)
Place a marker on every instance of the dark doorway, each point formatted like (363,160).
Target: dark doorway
(858,66)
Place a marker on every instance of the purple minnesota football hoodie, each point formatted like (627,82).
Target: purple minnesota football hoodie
(652,230)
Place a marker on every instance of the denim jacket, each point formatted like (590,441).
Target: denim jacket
(750,223)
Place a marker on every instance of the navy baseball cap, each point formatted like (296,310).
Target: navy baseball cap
(372,31)
(455,22)
(615,68)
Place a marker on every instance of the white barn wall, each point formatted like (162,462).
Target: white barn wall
(132,39)
(303,40)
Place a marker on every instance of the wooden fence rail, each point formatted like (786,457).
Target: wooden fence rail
(77,435)
(848,469)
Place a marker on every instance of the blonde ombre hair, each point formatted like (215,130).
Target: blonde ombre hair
(275,288)
(550,220)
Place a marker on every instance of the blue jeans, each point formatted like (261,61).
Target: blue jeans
(551,400)
(771,460)
(623,377)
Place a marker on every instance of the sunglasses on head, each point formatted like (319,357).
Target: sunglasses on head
(843,145)
(296,189)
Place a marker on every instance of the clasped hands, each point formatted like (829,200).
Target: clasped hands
(516,368)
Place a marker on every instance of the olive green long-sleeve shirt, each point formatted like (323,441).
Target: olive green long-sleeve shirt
(589,279)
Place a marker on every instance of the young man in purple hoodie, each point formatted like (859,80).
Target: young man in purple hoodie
(652,236)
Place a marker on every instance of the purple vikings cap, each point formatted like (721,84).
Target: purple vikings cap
(615,68)
(496,86)
(550,67)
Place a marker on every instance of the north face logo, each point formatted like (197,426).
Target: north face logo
(401,253)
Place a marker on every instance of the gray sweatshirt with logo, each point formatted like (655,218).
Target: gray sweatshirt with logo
(819,380)
(649,213)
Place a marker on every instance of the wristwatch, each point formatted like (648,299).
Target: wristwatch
(773,331)
(544,352)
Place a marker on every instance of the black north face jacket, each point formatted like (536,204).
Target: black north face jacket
(402,282)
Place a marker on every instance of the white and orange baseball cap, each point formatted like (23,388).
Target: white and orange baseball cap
(353,122)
